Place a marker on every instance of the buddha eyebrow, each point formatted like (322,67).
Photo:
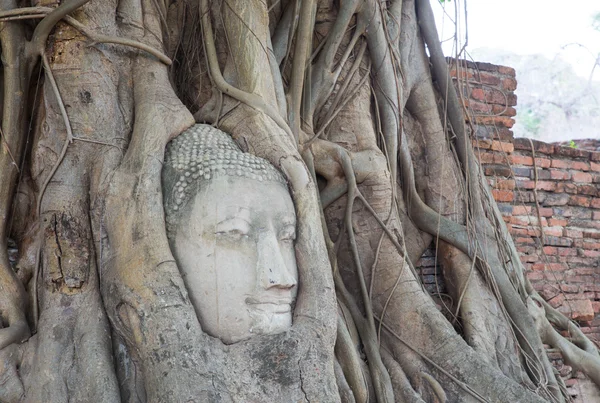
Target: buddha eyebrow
(234,218)
(288,220)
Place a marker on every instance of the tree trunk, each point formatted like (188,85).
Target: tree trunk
(337,96)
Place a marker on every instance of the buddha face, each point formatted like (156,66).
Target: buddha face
(236,255)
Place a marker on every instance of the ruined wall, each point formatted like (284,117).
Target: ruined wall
(536,183)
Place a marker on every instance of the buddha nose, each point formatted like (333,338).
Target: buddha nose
(272,267)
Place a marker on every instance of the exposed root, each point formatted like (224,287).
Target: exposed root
(579,359)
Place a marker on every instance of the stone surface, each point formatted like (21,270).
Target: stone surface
(232,230)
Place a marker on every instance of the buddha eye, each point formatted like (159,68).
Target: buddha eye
(288,234)
(233,229)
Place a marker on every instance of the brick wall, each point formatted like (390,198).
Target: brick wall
(562,255)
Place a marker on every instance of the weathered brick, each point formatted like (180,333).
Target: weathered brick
(589,253)
(573,233)
(566,187)
(521,160)
(497,170)
(591,234)
(558,241)
(503,195)
(556,163)
(581,310)
(509,84)
(594,166)
(579,201)
(589,190)
(580,165)
(522,171)
(509,71)
(567,251)
(549,266)
(505,121)
(553,231)
(521,210)
(595,202)
(572,152)
(555,222)
(558,174)
(504,110)
(556,199)
(505,184)
(581,177)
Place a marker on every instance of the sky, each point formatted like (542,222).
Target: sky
(548,27)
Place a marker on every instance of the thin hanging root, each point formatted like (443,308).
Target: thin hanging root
(381,378)
(562,322)
(349,361)
(458,382)
(99,38)
(352,191)
(37,45)
(338,110)
(61,156)
(435,386)
(302,50)
(40,12)
(252,100)
(578,358)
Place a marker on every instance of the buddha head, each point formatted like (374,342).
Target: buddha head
(231,226)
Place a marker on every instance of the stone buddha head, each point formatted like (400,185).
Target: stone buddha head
(231,225)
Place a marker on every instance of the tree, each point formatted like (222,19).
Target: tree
(340,97)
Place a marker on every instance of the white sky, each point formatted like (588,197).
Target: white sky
(527,27)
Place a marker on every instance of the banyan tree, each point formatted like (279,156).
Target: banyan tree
(224,201)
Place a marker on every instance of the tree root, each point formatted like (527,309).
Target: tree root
(579,359)
(13,297)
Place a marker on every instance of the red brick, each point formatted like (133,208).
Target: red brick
(502,146)
(591,234)
(580,165)
(546,185)
(509,71)
(546,212)
(567,252)
(581,310)
(503,195)
(479,107)
(589,253)
(595,215)
(581,177)
(555,222)
(505,184)
(579,201)
(595,202)
(543,162)
(495,120)
(532,275)
(522,240)
(560,164)
(573,233)
(509,84)
(504,110)
(550,250)
(490,158)
(553,231)
(521,210)
(497,170)
(521,160)
(589,190)
(558,174)
(595,167)
(478,94)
